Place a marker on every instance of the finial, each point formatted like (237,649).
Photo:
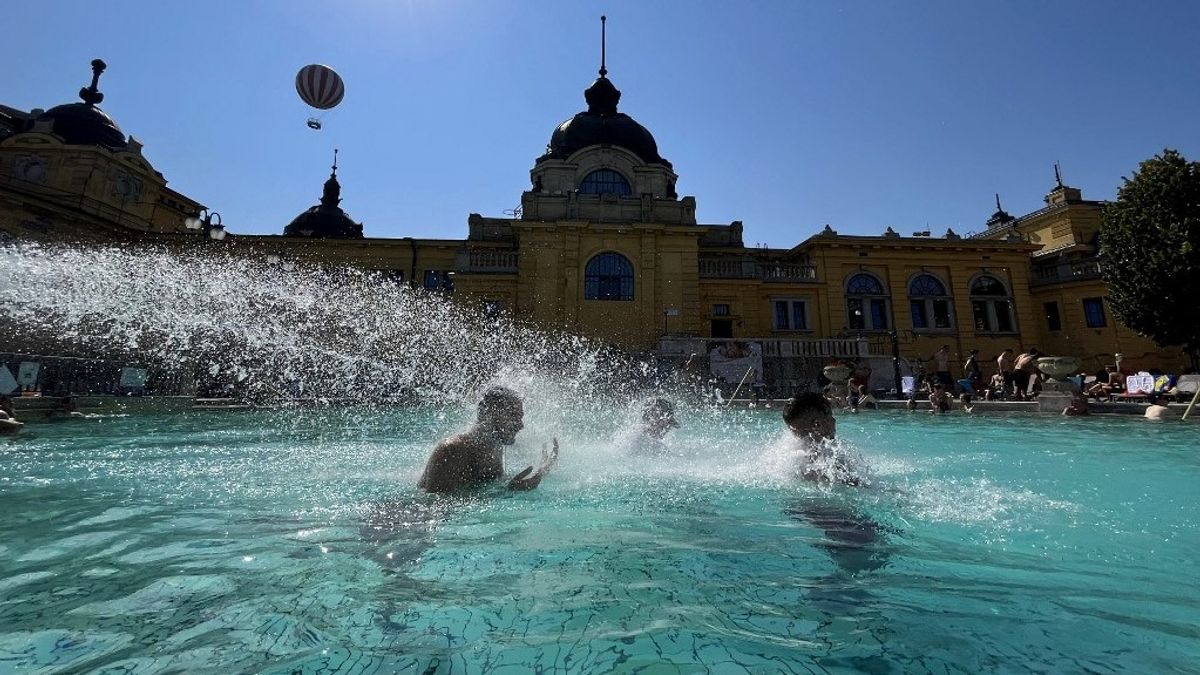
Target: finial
(1057,175)
(603,70)
(998,202)
(91,95)
(335,151)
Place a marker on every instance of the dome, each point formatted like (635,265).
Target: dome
(601,124)
(326,220)
(84,124)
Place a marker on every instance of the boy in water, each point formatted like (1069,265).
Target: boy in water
(810,418)
(476,456)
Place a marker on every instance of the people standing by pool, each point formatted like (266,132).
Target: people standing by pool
(475,457)
(941,360)
(1004,366)
(1024,371)
(972,371)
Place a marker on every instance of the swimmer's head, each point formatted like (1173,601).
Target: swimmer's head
(501,414)
(809,416)
(658,417)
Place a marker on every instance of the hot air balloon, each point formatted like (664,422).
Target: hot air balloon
(320,87)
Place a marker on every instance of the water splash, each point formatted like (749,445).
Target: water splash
(262,333)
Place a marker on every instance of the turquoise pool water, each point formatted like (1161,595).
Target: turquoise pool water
(294,542)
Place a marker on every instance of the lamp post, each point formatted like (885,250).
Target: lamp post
(207,221)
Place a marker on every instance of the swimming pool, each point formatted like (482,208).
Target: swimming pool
(294,542)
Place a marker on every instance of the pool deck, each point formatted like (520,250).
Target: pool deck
(36,409)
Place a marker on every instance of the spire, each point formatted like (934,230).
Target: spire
(602,97)
(1057,175)
(1000,216)
(603,21)
(332,195)
(91,95)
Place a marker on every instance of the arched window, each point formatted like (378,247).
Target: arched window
(991,305)
(929,303)
(866,303)
(604,182)
(608,276)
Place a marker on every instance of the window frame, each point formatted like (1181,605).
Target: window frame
(1053,316)
(988,305)
(614,179)
(790,306)
(871,306)
(1098,305)
(928,305)
(596,281)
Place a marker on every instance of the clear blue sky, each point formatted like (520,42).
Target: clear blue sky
(785,115)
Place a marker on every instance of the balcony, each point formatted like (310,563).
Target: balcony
(1085,269)
(486,261)
(717,268)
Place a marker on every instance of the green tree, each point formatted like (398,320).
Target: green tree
(1150,245)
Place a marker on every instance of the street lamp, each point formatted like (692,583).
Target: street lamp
(209,222)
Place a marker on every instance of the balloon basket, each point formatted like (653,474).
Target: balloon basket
(314,123)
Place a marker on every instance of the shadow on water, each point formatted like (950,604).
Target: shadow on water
(854,542)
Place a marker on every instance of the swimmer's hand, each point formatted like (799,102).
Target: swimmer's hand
(529,479)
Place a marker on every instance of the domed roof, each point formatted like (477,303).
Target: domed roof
(84,123)
(601,124)
(326,220)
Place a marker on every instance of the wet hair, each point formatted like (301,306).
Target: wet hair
(657,408)
(965,398)
(498,399)
(804,402)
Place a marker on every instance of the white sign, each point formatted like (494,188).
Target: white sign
(133,377)
(671,311)
(27,373)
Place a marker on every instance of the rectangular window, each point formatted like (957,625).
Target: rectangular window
(854,309)
(920,319)
(1053,320)
(879,318)
(941,314)
(720,310)
(791,315)
(1004,320)
(437,280)
(979,311)
(799,315)
(433,280)
(1093,312)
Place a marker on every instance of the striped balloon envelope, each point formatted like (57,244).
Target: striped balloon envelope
(319,86)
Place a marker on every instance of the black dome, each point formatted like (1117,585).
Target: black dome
(326,220)
(601,124)
(84,124)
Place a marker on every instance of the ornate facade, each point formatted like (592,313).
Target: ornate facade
(605,247)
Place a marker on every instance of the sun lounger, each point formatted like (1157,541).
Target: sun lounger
(1185,388)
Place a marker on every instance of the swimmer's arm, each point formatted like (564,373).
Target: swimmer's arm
(530,479)
(446,469)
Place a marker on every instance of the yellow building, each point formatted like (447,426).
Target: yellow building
(603,246)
